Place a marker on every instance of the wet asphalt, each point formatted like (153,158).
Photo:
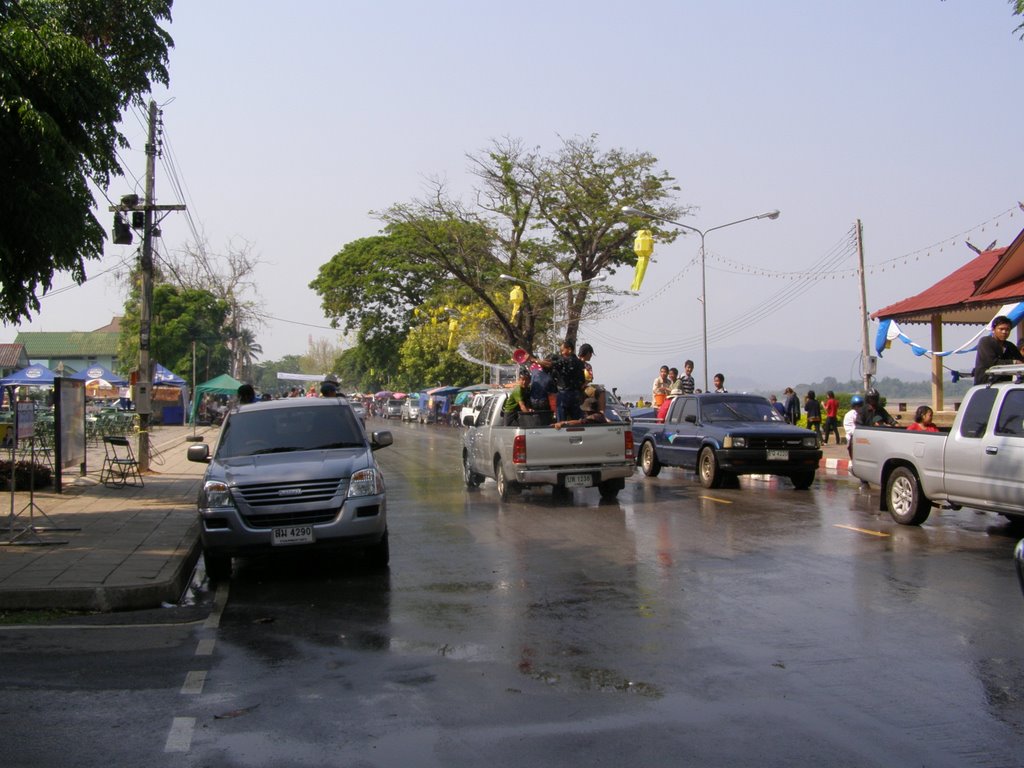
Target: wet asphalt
(756,625)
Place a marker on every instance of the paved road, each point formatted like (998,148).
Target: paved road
(753,626)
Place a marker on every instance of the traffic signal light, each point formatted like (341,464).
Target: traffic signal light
(122,232)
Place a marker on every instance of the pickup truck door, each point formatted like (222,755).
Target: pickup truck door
(480,441)
(681,440)
(1003,457)
(964,457)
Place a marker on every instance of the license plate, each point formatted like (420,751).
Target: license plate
(778,455)
(578,481)
(296,534)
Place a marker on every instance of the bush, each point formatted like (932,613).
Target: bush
(23,471)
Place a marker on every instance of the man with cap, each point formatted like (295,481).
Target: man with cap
(329,386)
(592,414)
(568,372)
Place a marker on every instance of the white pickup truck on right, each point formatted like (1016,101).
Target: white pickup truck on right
(978,463)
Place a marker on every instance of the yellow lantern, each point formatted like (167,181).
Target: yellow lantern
(516,297)
(453,326)
(643,247)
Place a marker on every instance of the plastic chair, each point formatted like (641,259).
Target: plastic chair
(119,465)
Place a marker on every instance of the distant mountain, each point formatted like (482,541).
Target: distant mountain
(764,368)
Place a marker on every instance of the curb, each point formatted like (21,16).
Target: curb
(837,466)
(107,599)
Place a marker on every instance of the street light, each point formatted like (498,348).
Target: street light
(555,289)
(630,211)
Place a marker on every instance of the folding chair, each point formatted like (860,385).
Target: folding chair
(119,465)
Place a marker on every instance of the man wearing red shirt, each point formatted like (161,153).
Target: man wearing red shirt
(831,416)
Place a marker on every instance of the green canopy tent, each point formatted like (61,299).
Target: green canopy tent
(220,385)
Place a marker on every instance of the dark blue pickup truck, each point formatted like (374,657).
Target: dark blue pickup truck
(721,436)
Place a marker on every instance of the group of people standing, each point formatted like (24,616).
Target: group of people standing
(560,385)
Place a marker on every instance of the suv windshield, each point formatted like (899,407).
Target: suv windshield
(248,433)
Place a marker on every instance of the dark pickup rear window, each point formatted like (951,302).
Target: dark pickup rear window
(977,412)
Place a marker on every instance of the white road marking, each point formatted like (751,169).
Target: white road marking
(220,599)
(180,737)
(205,646)
(194,682)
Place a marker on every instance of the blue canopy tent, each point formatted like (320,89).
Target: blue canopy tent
(34,376)
(99,373)
(164,377)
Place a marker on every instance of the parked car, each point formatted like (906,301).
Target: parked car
(725,435)
(392,409)
(976,464)
(297,473)
(410,408)
(360,410)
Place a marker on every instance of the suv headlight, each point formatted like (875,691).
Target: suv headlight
(216,494)
(365,482)
(734,442)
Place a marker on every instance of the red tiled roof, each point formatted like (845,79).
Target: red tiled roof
(971,293)
(12,356)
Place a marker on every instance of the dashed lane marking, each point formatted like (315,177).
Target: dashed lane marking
(205,646)
(194,682)
(220,599)
(180,737)
(712,498)
(863,530)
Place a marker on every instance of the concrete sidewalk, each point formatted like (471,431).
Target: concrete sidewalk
(135,546)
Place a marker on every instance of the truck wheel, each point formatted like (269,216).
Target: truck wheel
(472,478)
(609,489)
(506,487)
(707,469)
(904,499)
(802,481)
(218,567)
(649,460)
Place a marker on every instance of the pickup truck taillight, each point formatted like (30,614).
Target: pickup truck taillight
(629,444)
(519,449)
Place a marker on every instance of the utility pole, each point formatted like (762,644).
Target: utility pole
(142,396)
(868,362)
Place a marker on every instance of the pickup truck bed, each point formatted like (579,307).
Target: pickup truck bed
(979,463)
(521,456)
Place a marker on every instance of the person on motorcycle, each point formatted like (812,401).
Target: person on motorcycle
(850,422)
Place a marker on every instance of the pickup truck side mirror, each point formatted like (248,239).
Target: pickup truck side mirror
(381,440)
(691,417)
(469,420)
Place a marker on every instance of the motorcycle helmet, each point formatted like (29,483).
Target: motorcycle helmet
(871,395)
(856,400)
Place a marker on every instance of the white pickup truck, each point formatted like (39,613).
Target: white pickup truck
(519,456)
(979,463)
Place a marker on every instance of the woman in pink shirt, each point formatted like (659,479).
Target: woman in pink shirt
(923,420)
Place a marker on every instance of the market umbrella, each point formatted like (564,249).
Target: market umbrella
(99,376)
(35,375)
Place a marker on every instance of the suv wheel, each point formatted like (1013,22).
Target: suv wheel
(379,555)
(218,567)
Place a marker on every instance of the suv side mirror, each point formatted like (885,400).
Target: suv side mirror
(381,440)
(199,453)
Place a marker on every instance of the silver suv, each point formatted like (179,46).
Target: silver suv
(292,474)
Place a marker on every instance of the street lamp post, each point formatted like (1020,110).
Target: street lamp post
(555,290)
(630,211)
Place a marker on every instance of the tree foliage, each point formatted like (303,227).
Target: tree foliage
(554,221)
(67,70)
(180,316)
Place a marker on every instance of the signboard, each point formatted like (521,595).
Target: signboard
(25,421)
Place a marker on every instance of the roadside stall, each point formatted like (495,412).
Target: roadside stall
(223,385)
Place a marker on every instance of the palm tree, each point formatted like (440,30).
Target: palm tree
(246,351)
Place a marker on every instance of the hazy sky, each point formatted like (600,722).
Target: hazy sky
(289,123)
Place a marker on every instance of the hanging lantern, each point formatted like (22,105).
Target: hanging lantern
(643,247)
(516,297)
(453,325)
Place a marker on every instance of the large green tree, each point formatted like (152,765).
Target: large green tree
(68,68)
(555,222)
(181,316)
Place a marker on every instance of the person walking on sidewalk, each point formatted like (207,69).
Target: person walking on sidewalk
(831,416)
(813,410)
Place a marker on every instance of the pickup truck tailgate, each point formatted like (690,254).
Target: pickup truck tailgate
(575,446)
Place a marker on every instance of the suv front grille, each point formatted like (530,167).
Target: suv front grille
(258,495)
(290,518)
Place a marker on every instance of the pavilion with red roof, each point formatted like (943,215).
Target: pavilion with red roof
(972,295)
